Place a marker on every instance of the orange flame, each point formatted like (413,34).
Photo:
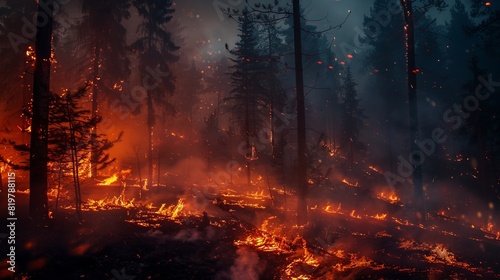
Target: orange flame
(173,211)
(392,198)
(380,216)
(354,215)
(109,181)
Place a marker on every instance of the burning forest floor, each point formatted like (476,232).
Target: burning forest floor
(250,235)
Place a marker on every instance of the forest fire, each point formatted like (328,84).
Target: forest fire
(249,140)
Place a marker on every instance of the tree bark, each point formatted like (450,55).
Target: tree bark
(151,118)
(40,120)
(301,117)
(95,109)
(412,101)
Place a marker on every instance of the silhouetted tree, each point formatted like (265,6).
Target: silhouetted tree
(352,117)
(40,119)
(156,54)
(248,97)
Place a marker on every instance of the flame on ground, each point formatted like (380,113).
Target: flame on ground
(172,211)
(392,198)
(109,181)
(106,203)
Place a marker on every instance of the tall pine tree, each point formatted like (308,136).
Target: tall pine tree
(156,54)
(352,117)
(248,97)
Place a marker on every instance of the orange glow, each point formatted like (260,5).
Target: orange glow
(29,245)
(80,249)
(350,56)
(37,264)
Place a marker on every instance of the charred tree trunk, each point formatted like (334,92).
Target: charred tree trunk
(158,162)
(272,91)
(136,150)
(249,148)
(151,118)
(3,194)
(95,95)
(301,117)
(412,101)
(40,121)
(75,163)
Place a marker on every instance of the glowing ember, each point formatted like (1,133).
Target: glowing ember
(441,253)
(354,215)
(380,216)
(392,198)
(489,227)
(350,183)
(329,209)
(374,168)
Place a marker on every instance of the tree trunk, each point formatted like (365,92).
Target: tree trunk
(139,170)
(150,140)
(95,109)
(271,91)
(301,117)
(248,134)
(40,121)
(412,101)
(75,164)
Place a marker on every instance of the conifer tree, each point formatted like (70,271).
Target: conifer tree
(156,54)
(352,117)
(248,97)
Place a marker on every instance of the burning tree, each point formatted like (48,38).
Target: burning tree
(69,141)
(40,119)
(72,141)
(156,49)
(100,43)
